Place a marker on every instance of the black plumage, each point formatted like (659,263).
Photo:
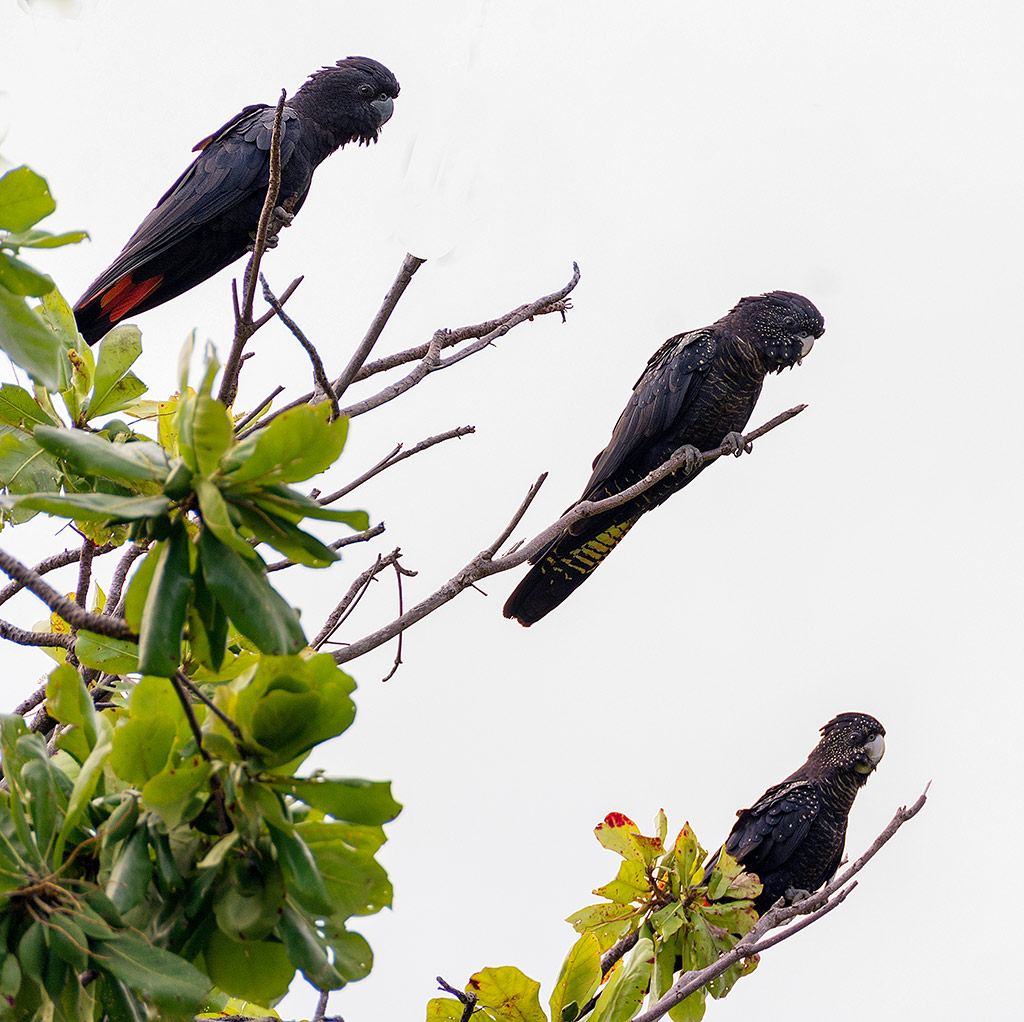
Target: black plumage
(697,389)
(208,217)
(793,836)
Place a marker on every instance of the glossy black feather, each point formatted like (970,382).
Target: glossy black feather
(793,836)
(208,217)
(698,387)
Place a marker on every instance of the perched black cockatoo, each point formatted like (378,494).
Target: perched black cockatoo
(793,836)
(699,389)
(208,217)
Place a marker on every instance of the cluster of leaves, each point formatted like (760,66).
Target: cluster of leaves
(164,854)
(686,915)
(25,200)
(136,868)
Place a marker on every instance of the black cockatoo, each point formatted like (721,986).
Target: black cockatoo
(208,217)
(793,836)
(699,389)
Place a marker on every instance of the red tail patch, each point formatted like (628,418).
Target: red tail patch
(125,295)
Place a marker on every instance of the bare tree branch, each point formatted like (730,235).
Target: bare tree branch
(490,329)
(358,587)
(319,375)
(75,616)
(397,455)
(410,264)
(24,638)
(486,564)
(61,560)
(813,907)
(431,360)
(244,326)
(84,571)
(131,555)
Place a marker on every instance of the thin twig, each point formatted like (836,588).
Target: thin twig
(216,787)
(396,455)
(321,1007)
(410,264)
(399,572)
(348,601)
(319,374)
(468,1000)
(490,329)
(258,410)
(77,617)
(431,361)
(244,326)
(485,564)
(183,679)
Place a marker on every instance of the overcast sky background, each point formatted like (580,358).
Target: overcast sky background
(866,557)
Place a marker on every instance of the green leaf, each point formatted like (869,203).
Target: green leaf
(629,885)
(131,873)
(114,656)
(206,433)
(90,507)
(85,784)
(19,408)
(162,976)
(138,588)
(579,978)
(25,199)
(69,701)
(248,907)
(301,873)
(282,535)
(43,239)
(625,991)
(256,970)
(295,506)
(306,950)
(508,994)
(178,794)
(253,606)
(25,468)
(214,511)
(164,616)
(142,747)
(92,454)
(689,856)
(356,883)
(21,279)
(353,957)
(298,444)
(444,1009)
(114,387)
(27,341)
(351,799)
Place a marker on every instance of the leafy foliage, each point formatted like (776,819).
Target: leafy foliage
(165,856)
(684,921)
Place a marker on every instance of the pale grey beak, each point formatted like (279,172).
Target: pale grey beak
(808,343)
(384,108)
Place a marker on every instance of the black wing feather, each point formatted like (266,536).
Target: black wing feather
(666,386)
(232,165)
(768,833)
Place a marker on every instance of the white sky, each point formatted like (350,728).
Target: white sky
(866,557)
